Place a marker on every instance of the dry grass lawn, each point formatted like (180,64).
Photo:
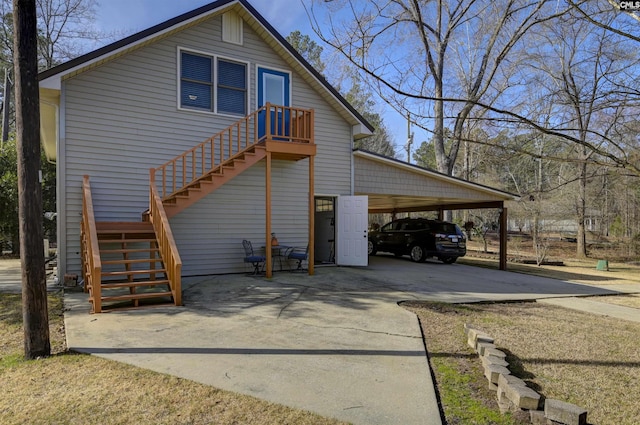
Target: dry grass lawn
(588,360)
(624,300)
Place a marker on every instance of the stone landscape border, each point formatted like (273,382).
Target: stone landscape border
(512,392)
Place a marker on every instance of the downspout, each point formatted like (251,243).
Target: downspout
(61,187)
(353,168)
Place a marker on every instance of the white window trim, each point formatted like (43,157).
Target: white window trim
(214,100)
(272,68)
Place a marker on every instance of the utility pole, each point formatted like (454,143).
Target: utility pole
(27,102)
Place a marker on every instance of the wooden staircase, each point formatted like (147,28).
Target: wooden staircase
(197,189)
(132,269)
(130,264)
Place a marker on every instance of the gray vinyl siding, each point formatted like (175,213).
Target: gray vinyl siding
(122,119)
(378,178)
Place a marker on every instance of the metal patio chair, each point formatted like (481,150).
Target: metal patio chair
(258,261)
(299,254)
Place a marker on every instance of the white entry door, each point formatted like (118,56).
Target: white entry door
(352,222)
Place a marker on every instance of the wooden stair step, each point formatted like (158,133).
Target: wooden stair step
(133,272)
(105,241)
(134,284)
(133,261)
(128,251)
(128,227)
(144,295)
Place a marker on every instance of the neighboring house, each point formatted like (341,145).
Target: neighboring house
(147,102)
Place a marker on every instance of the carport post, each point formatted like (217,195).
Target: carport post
(267,245)
(311,253)
(503,238)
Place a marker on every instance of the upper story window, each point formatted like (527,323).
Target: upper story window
(196,81)
(232,87)
(209,83)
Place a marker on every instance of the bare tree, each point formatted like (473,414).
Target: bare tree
(414,52)
(593,11)
(581,66)
(424,54)
(34,286)
(65,29)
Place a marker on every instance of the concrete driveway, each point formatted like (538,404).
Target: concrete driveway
(335,343)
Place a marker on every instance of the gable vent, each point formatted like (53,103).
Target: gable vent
(232,28)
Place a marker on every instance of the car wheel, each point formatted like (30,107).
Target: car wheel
(449,260)
(371,248)
(417,254)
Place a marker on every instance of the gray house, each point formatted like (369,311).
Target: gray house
(179,142)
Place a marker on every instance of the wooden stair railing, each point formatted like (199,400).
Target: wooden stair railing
(269,123)
(108,271)
(91,263)
(166,243)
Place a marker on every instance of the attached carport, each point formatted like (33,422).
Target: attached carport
(394,186)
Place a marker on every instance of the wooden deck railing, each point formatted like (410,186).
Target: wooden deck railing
(166,243)
(91,264)
(271,122)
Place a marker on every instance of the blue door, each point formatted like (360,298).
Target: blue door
(274,88)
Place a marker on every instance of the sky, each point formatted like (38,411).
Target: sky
(126,17)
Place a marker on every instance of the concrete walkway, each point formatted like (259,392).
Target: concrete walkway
(335,343)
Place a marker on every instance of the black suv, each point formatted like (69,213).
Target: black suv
(420,238)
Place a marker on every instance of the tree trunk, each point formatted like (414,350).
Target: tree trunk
(581,248)
(6,107)
(34,285)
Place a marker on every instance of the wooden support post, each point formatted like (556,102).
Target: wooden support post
(503,238)
(267,245)
(312,213)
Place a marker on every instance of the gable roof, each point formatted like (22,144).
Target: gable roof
(52,78)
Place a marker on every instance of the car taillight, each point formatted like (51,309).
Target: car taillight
(441,237)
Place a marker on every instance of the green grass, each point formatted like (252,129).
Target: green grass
(458,396)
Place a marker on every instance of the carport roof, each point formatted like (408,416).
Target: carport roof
(397,186)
